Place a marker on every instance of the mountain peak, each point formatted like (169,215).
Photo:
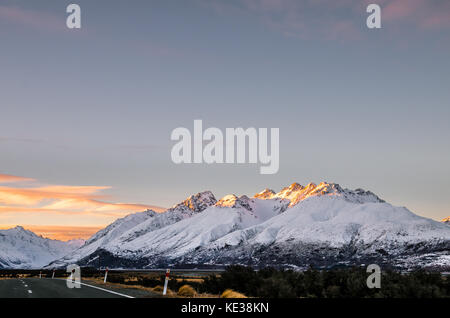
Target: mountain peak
(295,186)
(232,200)
(263,231)
(296,193)
(20,230)
(21,248)
(328,188)
(198,202)
(265,194)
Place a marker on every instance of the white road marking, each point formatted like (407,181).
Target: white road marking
(105,290)
(26,285)
(29,291)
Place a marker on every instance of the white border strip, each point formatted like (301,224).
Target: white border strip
(103,289)
(107,290)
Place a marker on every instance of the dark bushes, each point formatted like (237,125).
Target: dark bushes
(339,283)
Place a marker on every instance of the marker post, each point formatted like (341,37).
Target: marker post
(53,275)
(106,275)
(166,282)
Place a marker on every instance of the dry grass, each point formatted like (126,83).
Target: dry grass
(10,276)
(160,289)
(190,280)
(205,295)
(186,291)
(116,285)
(229,293)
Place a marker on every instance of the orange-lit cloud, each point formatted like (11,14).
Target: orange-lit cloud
(6,178)
(50,206)
(63,233)
(21,196)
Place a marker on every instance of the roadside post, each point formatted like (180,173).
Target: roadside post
(166,282)
(40,274)
(53,275)
(106,275)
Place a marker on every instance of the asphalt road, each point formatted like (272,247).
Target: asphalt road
(51,288)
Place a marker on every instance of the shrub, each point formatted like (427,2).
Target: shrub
(276,287)
(229,293)
(117,279)
(150,281)
(186,291)
(158,288)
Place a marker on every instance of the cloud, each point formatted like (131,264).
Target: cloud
(72,205)
(6,178)
(14,139)
(337,20)
(423,14)
(35,195)
(32,18)
(70,198)
(63,233)
(304,19)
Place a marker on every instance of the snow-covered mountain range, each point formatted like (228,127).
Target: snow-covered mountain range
(321,225)
(20,248)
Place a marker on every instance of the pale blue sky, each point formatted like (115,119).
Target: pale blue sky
(96,106)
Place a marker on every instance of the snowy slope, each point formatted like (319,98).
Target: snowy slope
(336,221)
(226,216)
(20,248)
(317,224)
(134,226)
(192,205)
(106,235)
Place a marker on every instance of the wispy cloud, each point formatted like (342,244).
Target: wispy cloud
(6,178)
(32,18)
(343,19)
(76,203)
(57,197)
(296,18)
(423,14)
(15,139)
(63,233)
(35,195)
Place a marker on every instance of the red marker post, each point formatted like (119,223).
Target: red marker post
(166,282)
(106,275)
